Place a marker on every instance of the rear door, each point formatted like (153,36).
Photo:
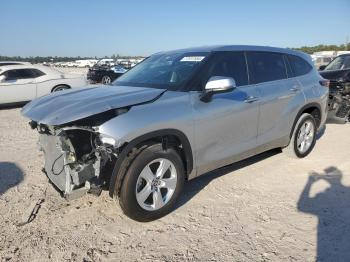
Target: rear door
(225,127)
(269,72)
(18,86)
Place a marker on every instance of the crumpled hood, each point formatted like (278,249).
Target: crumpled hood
(66,106)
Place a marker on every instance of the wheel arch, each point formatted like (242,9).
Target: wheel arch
(164,136)
(313,109)
(68,86)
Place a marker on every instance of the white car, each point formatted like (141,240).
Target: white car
(22,83)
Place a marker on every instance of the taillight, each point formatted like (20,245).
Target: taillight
(325,82)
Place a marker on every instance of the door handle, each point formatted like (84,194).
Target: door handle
(251,99)
(295,89)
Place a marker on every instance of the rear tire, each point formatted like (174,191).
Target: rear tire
(106,80)
(146,194)
(303,138)
(60,88)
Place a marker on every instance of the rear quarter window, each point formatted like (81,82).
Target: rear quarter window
(299,65)
(37,72)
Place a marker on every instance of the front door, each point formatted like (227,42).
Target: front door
(225,127)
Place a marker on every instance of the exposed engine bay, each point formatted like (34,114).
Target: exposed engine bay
(339,102)
(75,158)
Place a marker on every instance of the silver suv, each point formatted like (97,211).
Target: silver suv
(176,116)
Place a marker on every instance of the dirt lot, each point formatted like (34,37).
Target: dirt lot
(256,210)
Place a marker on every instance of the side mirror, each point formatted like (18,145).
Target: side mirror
(2,78)
(217,84)
(322,67)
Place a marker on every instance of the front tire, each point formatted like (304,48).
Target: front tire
(152,184)
(303,138)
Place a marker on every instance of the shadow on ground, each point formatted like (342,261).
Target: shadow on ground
(332,207)
(10,175)
(194,186)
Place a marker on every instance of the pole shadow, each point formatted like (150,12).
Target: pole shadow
(10,176)
(332,207)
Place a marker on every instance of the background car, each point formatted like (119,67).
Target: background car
(22,83)
(338,72)
(105,74)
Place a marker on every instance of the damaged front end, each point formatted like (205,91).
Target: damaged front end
(78,158)
(339,102)
(74,158)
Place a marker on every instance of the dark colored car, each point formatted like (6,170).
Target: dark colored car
(105,74)
(338,72)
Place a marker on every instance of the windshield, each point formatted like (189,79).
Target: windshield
(165,71)
(339,63)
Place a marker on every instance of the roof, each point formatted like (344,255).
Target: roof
(218,48)
(19,62)
(42,68)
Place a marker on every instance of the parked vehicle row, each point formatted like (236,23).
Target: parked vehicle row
(176,116)
(89,63)
(23,82)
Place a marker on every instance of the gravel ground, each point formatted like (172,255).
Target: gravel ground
(256,210)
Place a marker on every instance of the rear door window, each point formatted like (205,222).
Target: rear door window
(299,65)
(265,67)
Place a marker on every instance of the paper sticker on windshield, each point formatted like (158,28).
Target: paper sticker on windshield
(192,58)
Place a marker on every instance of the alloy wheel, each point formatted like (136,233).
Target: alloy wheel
(106,80)
(305,136)
(156,184)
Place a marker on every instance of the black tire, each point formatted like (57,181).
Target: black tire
(292,149)
(106,80)
(60,88)
(141,159)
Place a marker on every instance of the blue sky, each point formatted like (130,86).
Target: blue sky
(131,27)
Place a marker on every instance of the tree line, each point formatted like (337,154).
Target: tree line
(42,59)
(319,48)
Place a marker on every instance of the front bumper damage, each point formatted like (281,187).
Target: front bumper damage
(78,157)
(74,158)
